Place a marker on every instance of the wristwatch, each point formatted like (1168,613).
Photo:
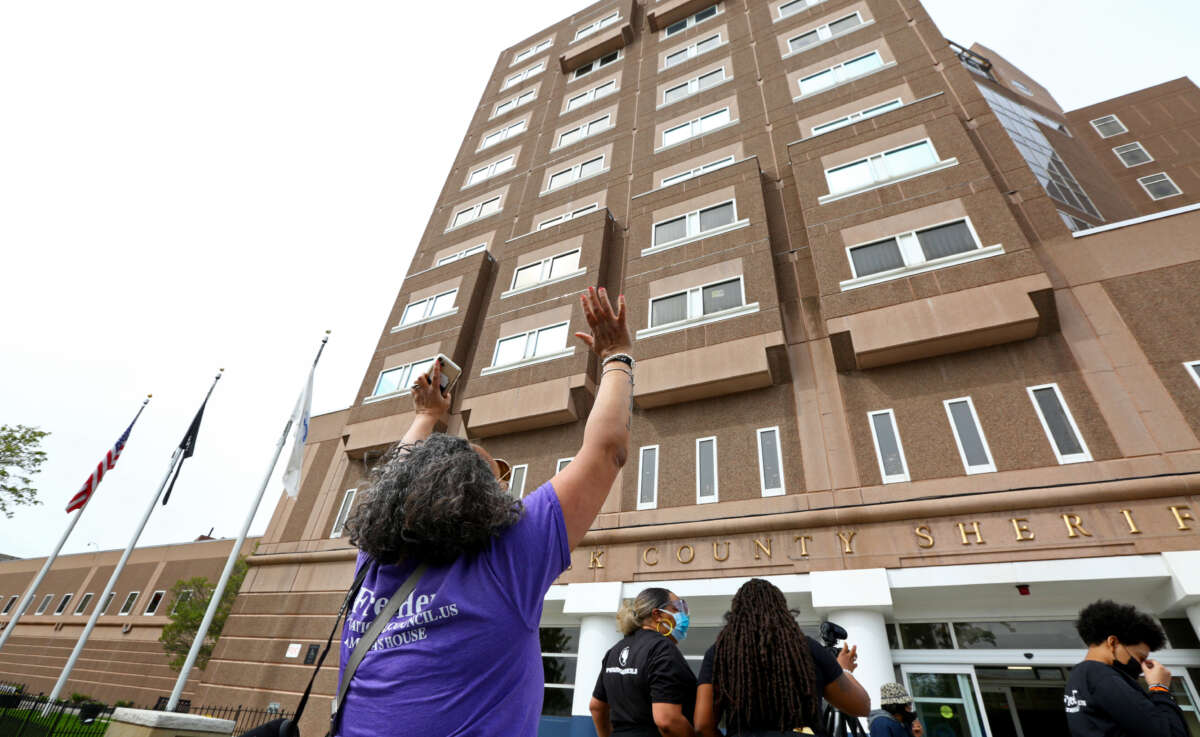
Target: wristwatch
(624,358)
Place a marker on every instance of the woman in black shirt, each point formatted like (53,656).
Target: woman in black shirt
(764,676)
(646,688)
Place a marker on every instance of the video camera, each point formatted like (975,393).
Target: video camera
(831,634)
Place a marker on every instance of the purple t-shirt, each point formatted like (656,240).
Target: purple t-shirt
(462,655)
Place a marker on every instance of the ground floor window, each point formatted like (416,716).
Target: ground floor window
(560,652)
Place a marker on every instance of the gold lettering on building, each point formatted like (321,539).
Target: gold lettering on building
(926,535)
(804,540)
(962,531)
(848,542)
(716,555)
(595,561)
(760,548)
(1182,514)
(687,557)
(646,556)
(1021,529)
(1128,515)
(1074,526)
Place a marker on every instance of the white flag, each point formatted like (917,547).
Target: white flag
(291,474)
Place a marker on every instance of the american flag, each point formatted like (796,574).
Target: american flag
(105,465)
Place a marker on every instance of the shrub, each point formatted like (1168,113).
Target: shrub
(78,698)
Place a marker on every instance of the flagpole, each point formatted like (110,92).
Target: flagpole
(215,602)
(37,581)
(112,581)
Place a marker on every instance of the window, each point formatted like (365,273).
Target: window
(567,216)
(83,603)
(514,102)
(682,176)
(583,98)
(840,73)
(562,463)
(591,28)
(339,522)
(491,170)
(1022,88)
(183,598)
(548,341)
(853,118)
(694,223)
(888,450)
(882,168)
(697,302)
(694,86)
(399,379)
(706,470)
(475,212)
(647,490)
(520,77)
(1109,126)
(108,600)
(579,132)
(1132,154)
(560,655)
(516,481)
(688,22)
(795,6)
(600,63)
(913,248)
(127,607)
(155,600)
(12,600)
(770,462)
(697,127)
(825,32)
(588,168)
(1193,369)
(491,139)
(62,604)
(532,51)
(430,307)
(462,254)
(45,603)
(548,269)
(968,435)
(1159,186)
(705,44)
(1074,223)
(1060,427)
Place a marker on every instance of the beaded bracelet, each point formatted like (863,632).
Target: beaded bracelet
(624,358)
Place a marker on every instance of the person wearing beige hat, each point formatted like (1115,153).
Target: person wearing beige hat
(896,716)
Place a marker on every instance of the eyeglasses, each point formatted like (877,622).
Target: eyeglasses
(679,604)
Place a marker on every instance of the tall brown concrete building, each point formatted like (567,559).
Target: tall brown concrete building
(913,342)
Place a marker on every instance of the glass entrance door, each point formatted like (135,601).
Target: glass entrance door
(948,700)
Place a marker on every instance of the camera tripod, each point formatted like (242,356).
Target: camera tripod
(835,723)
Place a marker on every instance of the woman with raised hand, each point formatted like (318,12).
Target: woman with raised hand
(461,654)
(765,677)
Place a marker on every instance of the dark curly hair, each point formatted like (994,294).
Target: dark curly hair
(432,501)
(764,676)
(1106,617)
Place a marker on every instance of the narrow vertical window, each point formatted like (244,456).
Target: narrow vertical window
(62,605)
(45,603)
(108,600)
(706,470)
(516,481)
(892,466)
(648,478)
(1061,430)
(155,600)
(130,600)
(339,522)
(968,435)
(11,602)
(1193,369)
(770,462)
(83,603)
(183,598)
(563,463)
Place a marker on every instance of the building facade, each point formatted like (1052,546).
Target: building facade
(123,659)
(913,343)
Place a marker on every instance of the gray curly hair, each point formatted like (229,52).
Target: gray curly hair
(432,501)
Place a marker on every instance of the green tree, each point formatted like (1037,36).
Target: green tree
(190,597)
(20,458)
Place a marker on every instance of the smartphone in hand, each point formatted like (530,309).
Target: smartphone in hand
(450,372)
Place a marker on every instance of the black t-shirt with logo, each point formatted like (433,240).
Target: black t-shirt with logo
(644,668)
(1101,701)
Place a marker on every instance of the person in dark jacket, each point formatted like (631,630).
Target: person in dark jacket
(1103,697)
(896,716)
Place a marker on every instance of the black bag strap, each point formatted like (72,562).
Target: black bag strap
(353,592)
(368,639)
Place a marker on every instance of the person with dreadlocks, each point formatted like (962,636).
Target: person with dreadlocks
(764,676)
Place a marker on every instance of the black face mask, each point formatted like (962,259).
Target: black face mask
(908,716)
(1131,667)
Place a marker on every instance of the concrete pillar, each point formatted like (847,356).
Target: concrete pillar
(597,605)
(866,629)
(858,600)
(146,723)
(1184,566)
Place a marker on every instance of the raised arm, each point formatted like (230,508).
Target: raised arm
(584,484)
(429,404)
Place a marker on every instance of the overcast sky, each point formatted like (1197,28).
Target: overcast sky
(190,186)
